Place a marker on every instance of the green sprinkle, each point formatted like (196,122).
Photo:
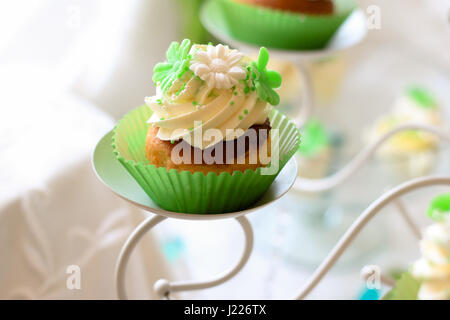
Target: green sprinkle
(266,80)
(253,88)
(246,90)
(194,103)
(235,93)
(181,89)
(159,101)
(245,111)
(172,141)
(231,103)
(162,118)
(197,78)
(191,128)
(177,62)
(241,117)
(210,43)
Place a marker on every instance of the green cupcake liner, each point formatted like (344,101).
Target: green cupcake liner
(198,193)
(274,28)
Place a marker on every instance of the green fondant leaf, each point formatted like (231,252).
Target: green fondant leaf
(439,207)
(274,78)
(406,288)
(263,58)
(422,97)
(314,138)
(165,73)
(265,80)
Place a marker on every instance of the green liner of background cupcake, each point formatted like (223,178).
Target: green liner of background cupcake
(275,28)
(429,276)
(200,193)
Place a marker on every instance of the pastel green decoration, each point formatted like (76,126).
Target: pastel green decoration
(406,288)
(186,192)
(422,97)
(266,80)
(165,73)
(439,207)
(190,24)
(314,138)
(262,26)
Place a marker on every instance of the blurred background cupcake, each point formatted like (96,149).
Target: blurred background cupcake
(314,154)
(428,277)
(433,268)
(298,25)
(326,75)
(323,7)
(410,153)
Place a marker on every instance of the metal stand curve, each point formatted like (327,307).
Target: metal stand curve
(163,287)
(336,179)
(361,222)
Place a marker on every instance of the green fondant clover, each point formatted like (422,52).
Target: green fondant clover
(422,97)
(266,80)
(314,138)
(165,73)
(439,207)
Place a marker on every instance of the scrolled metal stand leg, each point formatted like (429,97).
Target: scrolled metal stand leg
(406,216)
(220,278)
(359,224)
(163,287)
(128,248)
(339,177)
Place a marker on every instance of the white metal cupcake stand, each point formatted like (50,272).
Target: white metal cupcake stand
(350,34)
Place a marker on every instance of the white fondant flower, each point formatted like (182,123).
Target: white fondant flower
(218,66)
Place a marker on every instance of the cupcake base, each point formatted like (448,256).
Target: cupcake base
(187,192)
(235,155)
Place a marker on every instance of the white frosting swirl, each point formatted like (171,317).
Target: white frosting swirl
(210,97)
(434,266)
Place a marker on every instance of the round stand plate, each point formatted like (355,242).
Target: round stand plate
(114,176)
(351,32)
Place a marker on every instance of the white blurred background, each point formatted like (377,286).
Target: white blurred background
(70,68)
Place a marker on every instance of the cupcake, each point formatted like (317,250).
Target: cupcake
(289,24)
(208,141)
(326,76)
(433,269)
(410,153)
(429,278)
